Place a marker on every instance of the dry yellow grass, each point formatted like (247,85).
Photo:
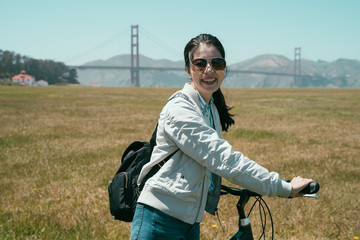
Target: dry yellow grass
(59,147)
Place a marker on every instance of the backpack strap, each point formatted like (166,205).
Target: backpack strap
(156,167)
(178,94)
(154,170)
(153,137)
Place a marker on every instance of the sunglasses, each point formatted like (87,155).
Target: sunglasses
(218,64)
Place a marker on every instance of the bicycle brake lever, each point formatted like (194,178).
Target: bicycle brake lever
(311,196)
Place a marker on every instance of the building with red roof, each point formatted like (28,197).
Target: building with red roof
(23,79)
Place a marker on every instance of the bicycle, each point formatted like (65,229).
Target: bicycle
(245,232)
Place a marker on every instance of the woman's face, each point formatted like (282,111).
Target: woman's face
(206,82)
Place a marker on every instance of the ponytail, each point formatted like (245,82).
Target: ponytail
(226,119)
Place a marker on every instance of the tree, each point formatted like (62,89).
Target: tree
(51,71)
(73,76)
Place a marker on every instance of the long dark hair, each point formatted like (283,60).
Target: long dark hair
(219,99)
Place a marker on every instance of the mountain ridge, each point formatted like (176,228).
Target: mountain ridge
(339,73)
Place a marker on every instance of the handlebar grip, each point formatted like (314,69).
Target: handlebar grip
(311,188)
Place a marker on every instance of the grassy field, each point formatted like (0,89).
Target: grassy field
(59,147)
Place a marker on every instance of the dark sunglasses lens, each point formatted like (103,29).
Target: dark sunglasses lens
(200,63)
(218,63)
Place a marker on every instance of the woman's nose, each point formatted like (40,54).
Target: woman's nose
(209,68)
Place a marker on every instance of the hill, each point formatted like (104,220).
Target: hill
(340,73)
(121,78)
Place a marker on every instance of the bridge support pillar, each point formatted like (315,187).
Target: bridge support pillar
(134,58)
(297,67)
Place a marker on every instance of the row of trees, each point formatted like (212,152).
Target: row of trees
(48,70)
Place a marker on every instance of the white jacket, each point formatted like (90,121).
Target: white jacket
(180,187)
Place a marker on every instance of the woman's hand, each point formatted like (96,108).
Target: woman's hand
(298,184)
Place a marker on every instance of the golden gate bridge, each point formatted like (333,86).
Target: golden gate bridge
(135,67)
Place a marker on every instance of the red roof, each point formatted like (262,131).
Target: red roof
(22,76)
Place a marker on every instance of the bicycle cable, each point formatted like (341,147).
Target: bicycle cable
(262,212)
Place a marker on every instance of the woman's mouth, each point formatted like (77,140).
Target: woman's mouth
(209,81)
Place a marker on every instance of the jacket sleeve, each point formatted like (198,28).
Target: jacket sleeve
(186,127)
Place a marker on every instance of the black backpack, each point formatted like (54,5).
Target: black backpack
(123,189)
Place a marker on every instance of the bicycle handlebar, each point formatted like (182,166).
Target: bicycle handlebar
(245,231)
(236,191)
(312,188)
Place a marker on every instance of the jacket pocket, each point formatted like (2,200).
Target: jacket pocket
(182,179)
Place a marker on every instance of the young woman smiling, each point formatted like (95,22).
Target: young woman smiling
(172,202)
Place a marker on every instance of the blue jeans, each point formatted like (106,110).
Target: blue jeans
(152,224)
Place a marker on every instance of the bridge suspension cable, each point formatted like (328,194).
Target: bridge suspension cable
(134,68)
(115,37)
(160,43)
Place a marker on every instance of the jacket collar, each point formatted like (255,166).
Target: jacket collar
(194,95)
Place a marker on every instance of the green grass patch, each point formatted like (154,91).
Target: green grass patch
(254,134)
(60,145)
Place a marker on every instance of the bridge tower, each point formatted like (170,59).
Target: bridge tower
(134,58)
(297,67)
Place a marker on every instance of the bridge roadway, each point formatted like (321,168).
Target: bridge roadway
(182,69)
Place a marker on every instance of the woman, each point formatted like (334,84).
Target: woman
(172,202)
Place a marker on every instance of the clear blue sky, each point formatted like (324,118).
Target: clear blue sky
(78,31)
